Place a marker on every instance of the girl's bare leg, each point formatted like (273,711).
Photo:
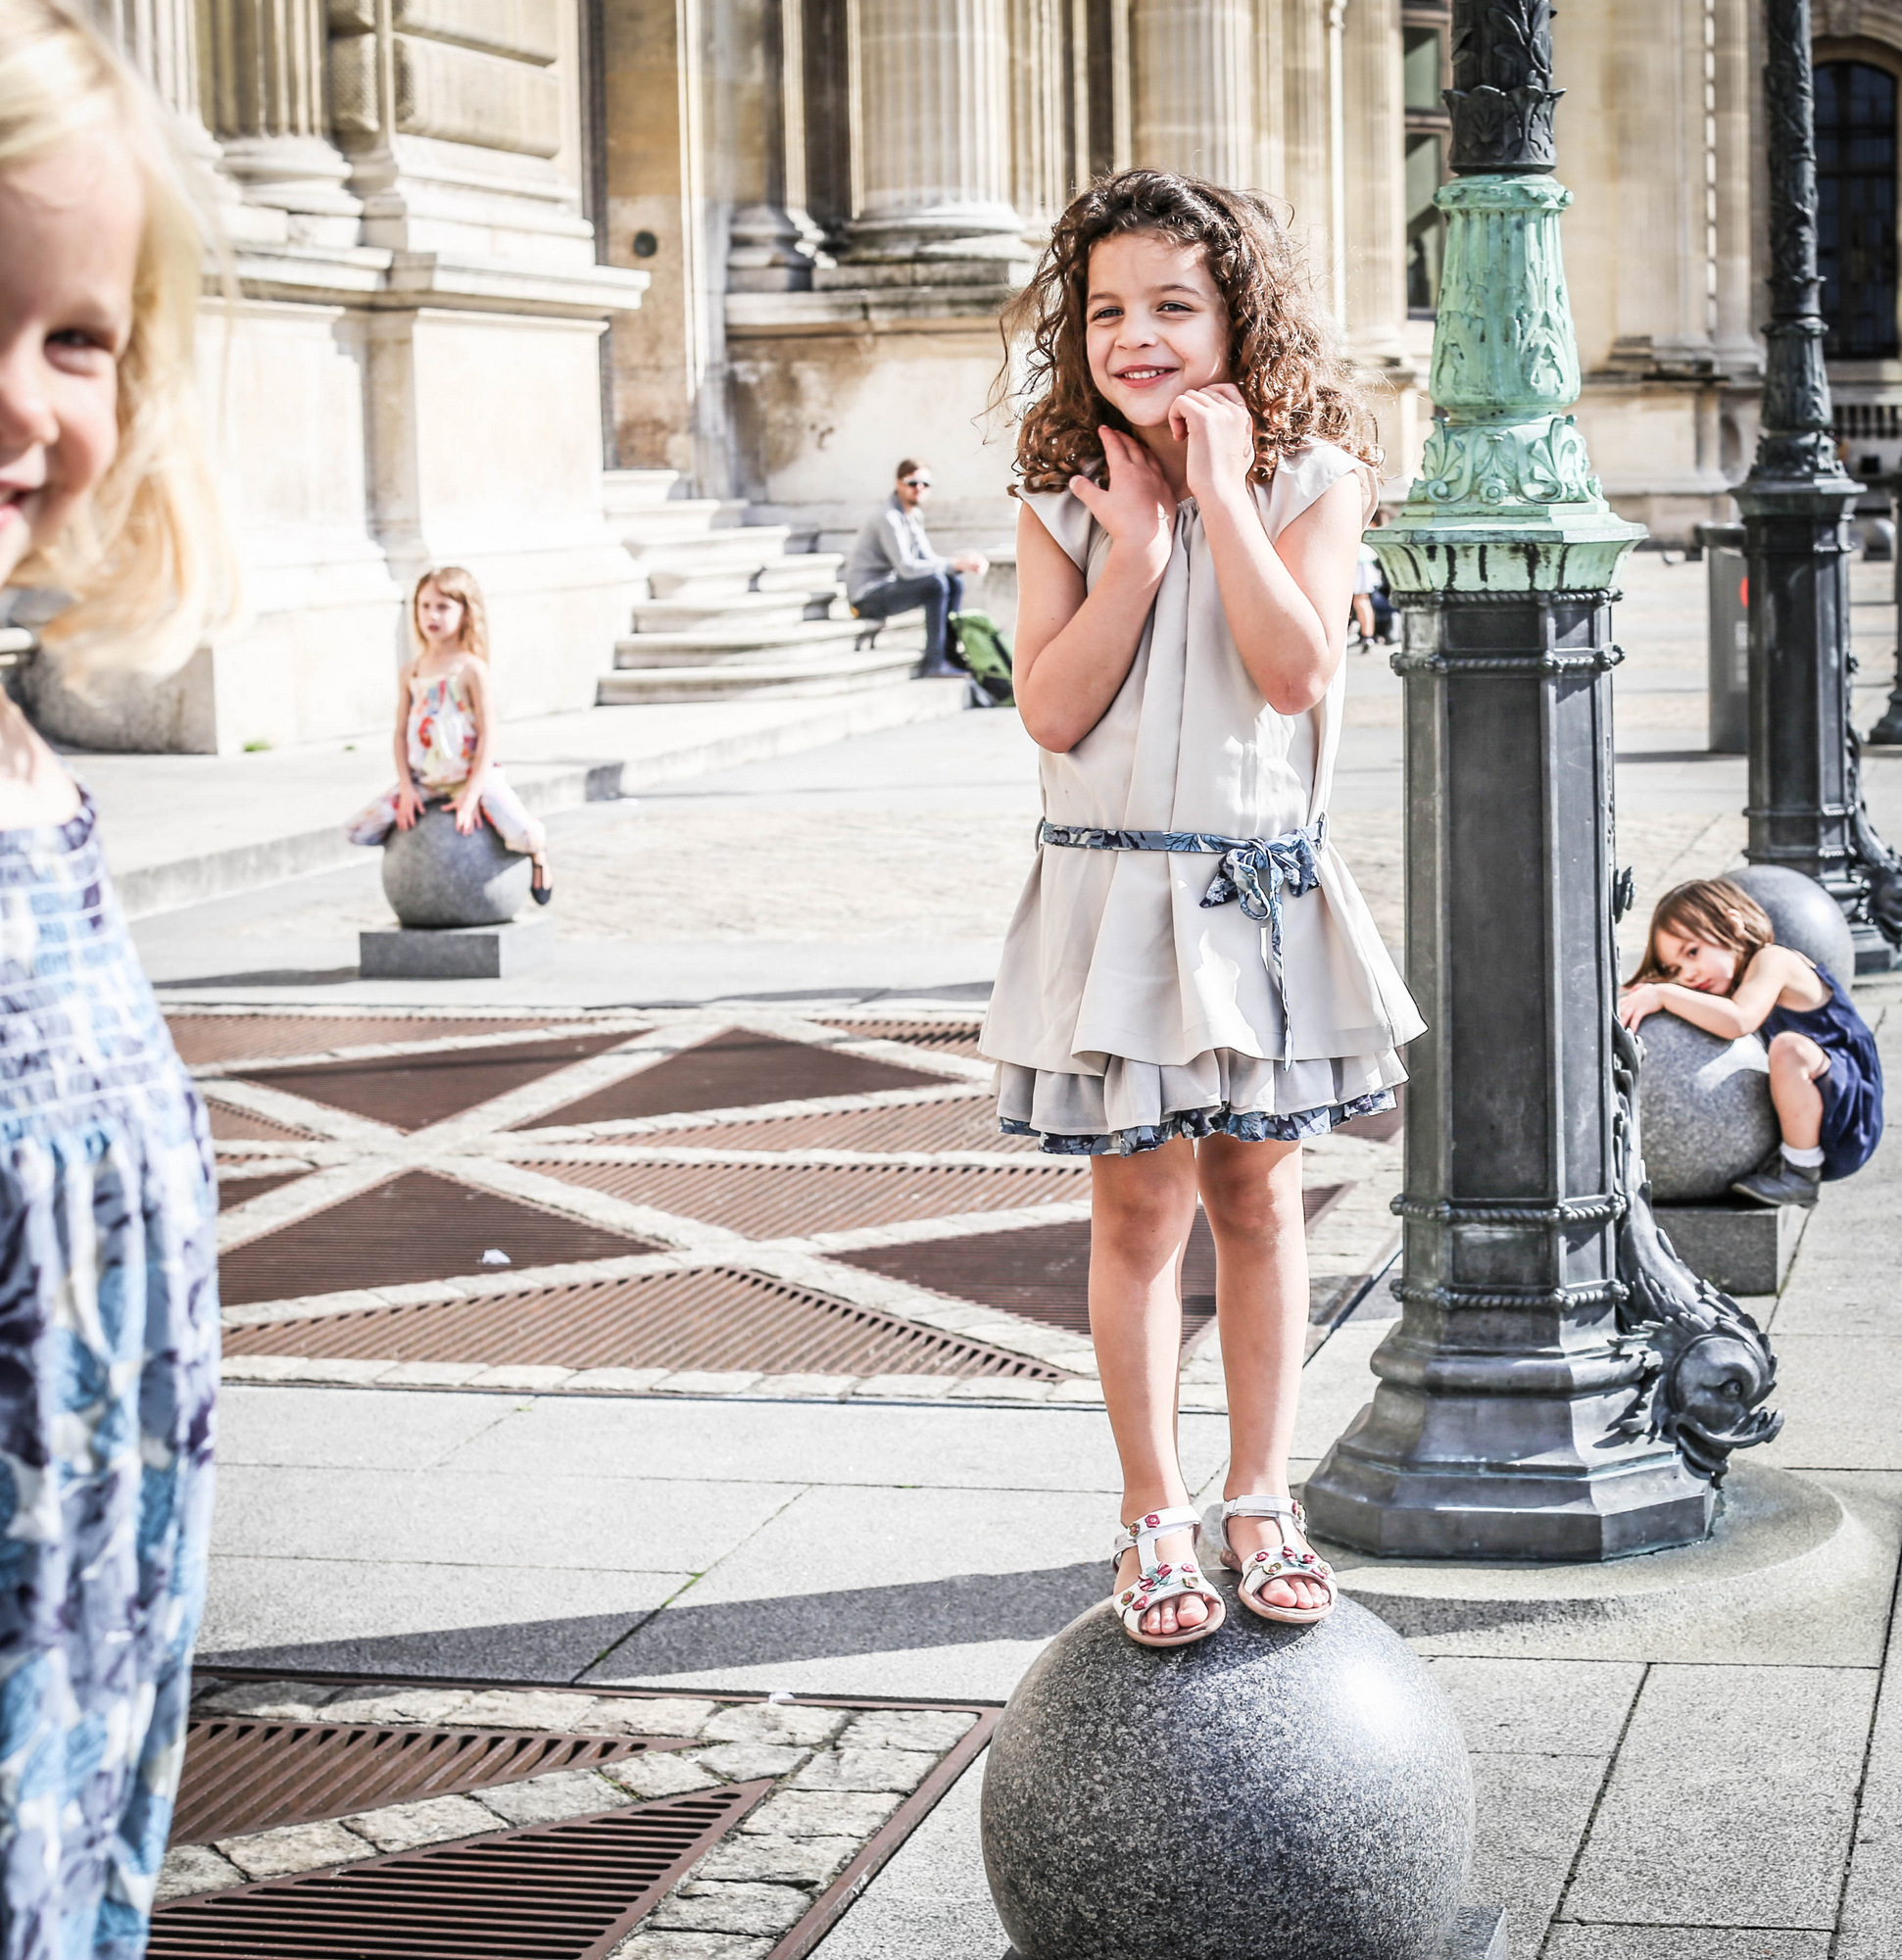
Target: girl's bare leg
(1795,1063)
(1253,1194)
(1140,1211)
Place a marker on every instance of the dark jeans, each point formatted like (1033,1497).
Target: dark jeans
(939,592)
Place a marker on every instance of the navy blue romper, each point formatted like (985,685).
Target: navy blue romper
(1852,1085)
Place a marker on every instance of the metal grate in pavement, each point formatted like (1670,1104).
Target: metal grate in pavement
(785,1201)
(416,1226)
(413,1091)
(243,1776)
(207,1038)
(235,1190)
(240,1126)
(964,1125)
(711,1317)
(943,1036)
(1043,1272)
(735,1070)
(556,1892)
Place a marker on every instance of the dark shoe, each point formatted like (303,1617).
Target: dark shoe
(940,670)
(1777,1181)
(543,888)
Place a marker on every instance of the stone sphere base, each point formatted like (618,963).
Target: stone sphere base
(1271,1791)
(1704,1109)
(435,876)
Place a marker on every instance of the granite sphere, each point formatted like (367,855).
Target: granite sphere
(1704,1109)
(1805,917)
(1269,1792)
(435,876)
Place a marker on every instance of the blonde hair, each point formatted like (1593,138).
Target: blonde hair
(145,557)
(1714,911)
(453,582)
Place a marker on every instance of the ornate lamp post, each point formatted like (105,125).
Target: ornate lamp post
(1805,807)
(1517,1414)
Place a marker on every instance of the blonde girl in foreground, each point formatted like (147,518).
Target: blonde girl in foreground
(107,1290)
(1191,983)
(445,728)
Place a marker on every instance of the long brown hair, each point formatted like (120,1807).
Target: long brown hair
(453,582)
(1712,910)
(1283,351)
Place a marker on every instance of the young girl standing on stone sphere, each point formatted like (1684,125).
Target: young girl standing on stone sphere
(1712,960)
(109,1291)
(1191,983)
(445,728)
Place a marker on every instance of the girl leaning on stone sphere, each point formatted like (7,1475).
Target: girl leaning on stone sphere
(445,728)
(1191,983)
(109,1291)
(1712,959)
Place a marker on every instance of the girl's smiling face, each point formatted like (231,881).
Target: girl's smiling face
(439,616)
(1154,324)
(1695,963)
(70,230)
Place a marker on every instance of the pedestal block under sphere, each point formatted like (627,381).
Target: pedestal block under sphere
(1704,1104)
(1269,1792)
(434,876)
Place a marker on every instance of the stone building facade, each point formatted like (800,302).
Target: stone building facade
(488,249)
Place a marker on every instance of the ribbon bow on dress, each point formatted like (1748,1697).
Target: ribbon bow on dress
(1254,871)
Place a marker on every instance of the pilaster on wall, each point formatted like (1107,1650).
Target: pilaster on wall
(1193,71)
(1306,137)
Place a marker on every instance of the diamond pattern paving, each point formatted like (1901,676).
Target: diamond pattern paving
(419,1226)
(412,1091)
(222,1038)
(733,1070)
(707,1318)
(968,1124)
(798,1200)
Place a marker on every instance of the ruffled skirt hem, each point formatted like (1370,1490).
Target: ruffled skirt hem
(1250,1126)
(1138,1106)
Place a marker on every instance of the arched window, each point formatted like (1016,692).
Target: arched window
(1855,181)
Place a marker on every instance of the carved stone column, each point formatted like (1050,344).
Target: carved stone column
(1805,803)
(264,71)
(160,38)
(1192,64)
(932,87)
(1043,146)
(1375,167)
(774,244)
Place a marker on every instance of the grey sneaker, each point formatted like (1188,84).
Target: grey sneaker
(1777,1181)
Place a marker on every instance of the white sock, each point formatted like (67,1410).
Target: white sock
(1803,1159)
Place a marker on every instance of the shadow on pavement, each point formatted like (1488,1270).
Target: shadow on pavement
(960,1611)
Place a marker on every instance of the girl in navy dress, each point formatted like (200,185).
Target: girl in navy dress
(1712,959)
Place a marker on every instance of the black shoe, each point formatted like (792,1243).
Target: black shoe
(941,669)
(542,893)
(1777,1181)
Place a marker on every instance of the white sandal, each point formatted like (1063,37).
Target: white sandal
(1158,1584)
(1265,1567)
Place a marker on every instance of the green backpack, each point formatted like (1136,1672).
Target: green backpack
(980,648)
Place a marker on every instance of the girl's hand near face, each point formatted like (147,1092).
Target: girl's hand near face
(1637,1002)
(1135,504)
(1221,436)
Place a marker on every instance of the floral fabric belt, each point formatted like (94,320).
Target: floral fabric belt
(1254,871)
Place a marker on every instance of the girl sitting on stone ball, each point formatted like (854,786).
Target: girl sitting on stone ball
(1712,960)
(445,728)
(1191,984)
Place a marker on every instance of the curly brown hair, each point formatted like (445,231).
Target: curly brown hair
(1284,352)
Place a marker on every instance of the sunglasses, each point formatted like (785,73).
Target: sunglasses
(915,482)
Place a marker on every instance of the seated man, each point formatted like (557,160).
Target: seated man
(893,568)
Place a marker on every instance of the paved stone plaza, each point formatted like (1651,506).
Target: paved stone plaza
(656,1336)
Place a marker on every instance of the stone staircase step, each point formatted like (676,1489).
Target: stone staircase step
(624,491)
(846,673)
(749,610)
(801,571)
(667,525)
(791,643)
(717,562)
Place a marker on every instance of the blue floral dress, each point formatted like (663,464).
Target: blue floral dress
(108,1373)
